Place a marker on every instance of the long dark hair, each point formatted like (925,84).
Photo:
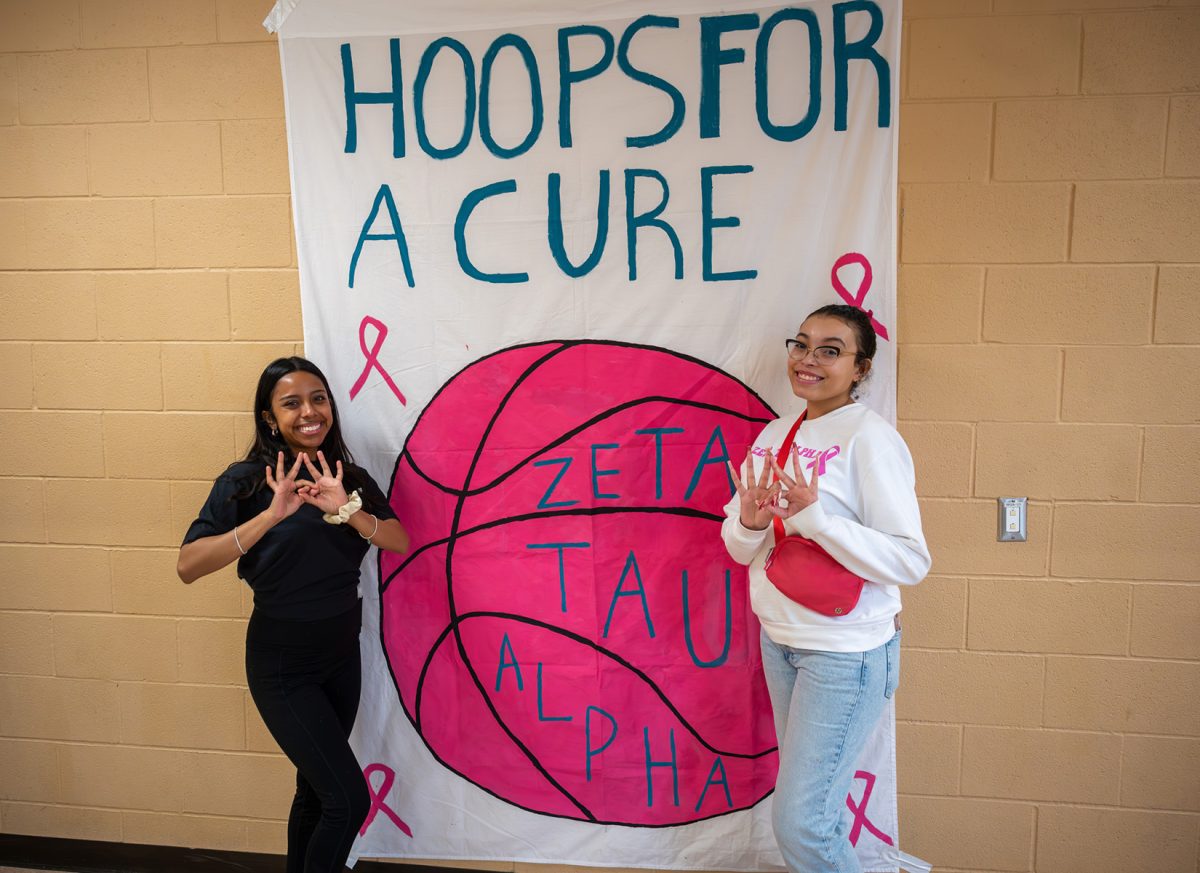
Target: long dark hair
(266,447)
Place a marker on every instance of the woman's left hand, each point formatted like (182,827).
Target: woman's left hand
(798,493)
(325,491)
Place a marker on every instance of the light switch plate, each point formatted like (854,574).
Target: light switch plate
(1010,519)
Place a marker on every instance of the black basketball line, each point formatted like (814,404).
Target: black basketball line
(608,653)
(596,419)
(682,511)
(562,345)
(567,343)
(485,789)
(436,394)
(462,649)
(685,511)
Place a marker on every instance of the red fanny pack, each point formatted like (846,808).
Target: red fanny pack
(802,570)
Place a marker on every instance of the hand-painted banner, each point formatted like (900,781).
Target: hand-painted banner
(549,252)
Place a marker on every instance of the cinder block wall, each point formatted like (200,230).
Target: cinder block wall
(1050,249)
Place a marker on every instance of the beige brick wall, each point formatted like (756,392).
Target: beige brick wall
(1049,315)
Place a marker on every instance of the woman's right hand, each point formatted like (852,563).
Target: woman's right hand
(756,496)
(209,554)
(286,500)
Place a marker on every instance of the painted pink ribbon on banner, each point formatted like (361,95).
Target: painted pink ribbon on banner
(856,300)
(372,356)
(378,798)
(860,811)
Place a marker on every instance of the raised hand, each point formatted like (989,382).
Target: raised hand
(326,491)
(798,493)
(756,496)
(286,500)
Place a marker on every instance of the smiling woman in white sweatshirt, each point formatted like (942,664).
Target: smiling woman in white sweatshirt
(849,487)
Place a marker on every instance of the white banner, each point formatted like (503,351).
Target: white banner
(549,253)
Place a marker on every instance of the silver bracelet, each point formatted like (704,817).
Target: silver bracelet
(369,538)
(236,541)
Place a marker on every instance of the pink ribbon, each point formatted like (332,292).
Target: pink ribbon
(372,357)
(856,300)
(860,811)
(378,798)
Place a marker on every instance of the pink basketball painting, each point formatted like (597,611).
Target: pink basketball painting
(568,632)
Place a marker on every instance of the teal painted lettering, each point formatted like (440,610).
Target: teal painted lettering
(717,767)
(354,98)
(423,71)
(554,229)
(678,105)
(541,711)
(569,77)
(597,472)
(383,197)
(687,625)
(639,592)
(658,435)
(709,221)
(706,460)
(508,186)
(648,219)
(590,752)
(762,90)
(485,92)
(863,50)
(651,764)
(712,58)
(545,502)
(560,548)
(510,664)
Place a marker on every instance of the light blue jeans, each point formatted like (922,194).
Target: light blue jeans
(825,706)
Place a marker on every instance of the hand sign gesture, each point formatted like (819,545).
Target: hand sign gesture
(325,491)
(798,493)
(286,501)
(756,496)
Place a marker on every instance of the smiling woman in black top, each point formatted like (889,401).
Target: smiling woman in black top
(299,543)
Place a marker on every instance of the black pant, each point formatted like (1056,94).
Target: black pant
(304,677)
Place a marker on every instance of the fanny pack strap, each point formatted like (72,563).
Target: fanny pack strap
(781,460)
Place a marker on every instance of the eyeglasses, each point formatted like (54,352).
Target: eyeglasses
(823,355)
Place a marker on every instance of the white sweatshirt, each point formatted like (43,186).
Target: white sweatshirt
(866,517)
